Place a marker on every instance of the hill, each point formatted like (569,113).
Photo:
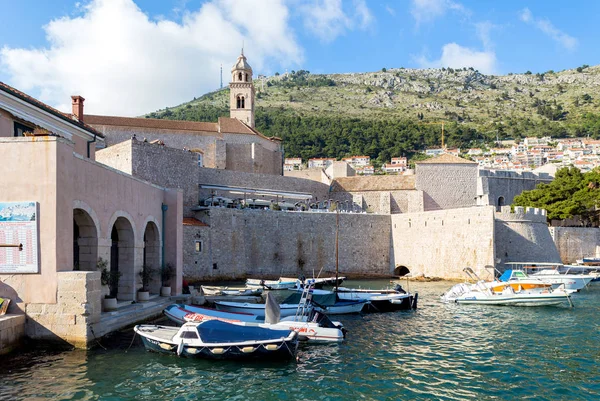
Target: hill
(385,114)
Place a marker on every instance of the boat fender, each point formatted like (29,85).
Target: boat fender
(180,348)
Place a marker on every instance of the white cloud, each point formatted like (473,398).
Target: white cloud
(456,56)
(428,10)
(327,19)
(484,30)
(124,63)
(390,10)
(565,40)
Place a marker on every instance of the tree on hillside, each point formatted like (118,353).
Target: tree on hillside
(572,193)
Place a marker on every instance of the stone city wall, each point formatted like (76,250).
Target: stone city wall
(12,331)
(447,186)
(493,186)
(575,243)
(253,158)
(523,236)
(78,306)
(443,243)
(384,202)
(269,244)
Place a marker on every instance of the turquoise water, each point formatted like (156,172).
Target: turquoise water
(440,352)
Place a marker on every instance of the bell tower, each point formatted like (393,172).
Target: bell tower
(241,101)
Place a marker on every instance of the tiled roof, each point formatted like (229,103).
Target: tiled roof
(374,183)
(190,221)
(151,123)
(445,159)
(66,117)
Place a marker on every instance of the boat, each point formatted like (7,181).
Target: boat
(271,284)
(312,326)
(384,300)
(550,273)
(216,339)
(328,302)
(231,291)
(255,309)
(320,282)
(499,293)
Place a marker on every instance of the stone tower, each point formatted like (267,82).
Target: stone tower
(242,91)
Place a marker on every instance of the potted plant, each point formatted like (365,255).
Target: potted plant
(166,274)
(110,279)
(146,275)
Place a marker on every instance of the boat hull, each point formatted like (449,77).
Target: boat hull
(255,309)
(270,284)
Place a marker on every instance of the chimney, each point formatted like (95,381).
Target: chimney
(78,107)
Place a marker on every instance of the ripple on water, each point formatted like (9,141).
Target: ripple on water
(441,352)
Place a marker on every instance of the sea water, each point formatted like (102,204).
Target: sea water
(439,352)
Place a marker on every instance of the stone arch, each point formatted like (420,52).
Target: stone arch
(152,252)
(240,77)
(122,256)
(85,238)
(500,203)
(246,77)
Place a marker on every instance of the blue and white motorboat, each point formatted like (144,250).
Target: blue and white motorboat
(216,339)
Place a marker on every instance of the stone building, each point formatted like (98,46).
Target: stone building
(231,143)
(61,212)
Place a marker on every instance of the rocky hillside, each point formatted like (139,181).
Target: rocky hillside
(476,107)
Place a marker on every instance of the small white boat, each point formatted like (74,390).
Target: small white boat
(254,309)
(231,291)
(499,293)
(385,300)
(271,284)
(215,339)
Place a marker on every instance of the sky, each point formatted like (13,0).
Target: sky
(130,57)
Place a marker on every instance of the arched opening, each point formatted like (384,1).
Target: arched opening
(122,259)
(85,241)
(246,77)
(240,102)
(152,254)
(240,77)
(500,203)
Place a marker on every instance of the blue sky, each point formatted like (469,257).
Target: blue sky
(128,58)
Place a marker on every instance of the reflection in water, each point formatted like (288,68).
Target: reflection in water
(442,352)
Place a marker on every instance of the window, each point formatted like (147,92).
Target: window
(189,334)
(200,160)
(240,76)
(240,102)
(246,77)
(20,129)
(198,246)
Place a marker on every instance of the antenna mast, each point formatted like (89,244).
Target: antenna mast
(221,76)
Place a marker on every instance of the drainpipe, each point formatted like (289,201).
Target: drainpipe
(164,209)
(88,145)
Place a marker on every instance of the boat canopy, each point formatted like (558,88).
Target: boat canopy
(216,331)
(509,274)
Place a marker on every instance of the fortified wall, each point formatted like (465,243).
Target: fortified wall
(264,243)
(499,188)
(523,236)
(575,243)
(442,243)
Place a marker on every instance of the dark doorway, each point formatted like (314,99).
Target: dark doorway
(114,256)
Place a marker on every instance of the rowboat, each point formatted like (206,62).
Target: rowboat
(280,284)
(384,300)
(231,291)
(499,293)
(216,339)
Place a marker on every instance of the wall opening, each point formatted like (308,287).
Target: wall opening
(152,255)
(85,241)
(500,203)
(122,258)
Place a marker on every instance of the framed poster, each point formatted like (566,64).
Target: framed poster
(18,237)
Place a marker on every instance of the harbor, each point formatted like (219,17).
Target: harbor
(439,351)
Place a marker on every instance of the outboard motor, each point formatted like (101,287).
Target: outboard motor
(399,288)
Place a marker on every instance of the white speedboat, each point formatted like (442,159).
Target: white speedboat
(503,293)
(385,300)
(551,273)
(231,291)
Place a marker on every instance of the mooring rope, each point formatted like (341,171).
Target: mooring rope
(130,344)
(98,342)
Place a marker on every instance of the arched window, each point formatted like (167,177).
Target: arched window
(240,77)
(240,102)
(246,77)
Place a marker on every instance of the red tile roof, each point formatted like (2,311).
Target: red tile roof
(190,221)
(151,123)
(66,117)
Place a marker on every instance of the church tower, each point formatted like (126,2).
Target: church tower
(242,92)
